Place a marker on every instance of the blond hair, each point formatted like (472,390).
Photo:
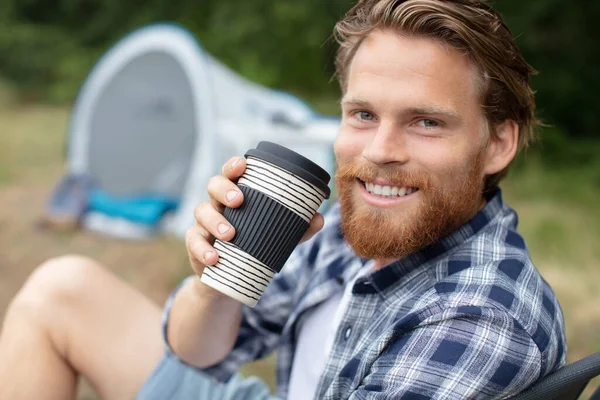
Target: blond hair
(469,26)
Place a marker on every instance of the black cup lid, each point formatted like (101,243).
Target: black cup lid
(293,162)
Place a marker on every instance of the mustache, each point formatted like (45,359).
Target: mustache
(368,172)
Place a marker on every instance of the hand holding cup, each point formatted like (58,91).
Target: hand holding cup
(233,271)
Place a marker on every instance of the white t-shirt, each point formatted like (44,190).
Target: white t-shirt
(312,352)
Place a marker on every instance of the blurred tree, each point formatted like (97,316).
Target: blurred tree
(560,39)
(48,46)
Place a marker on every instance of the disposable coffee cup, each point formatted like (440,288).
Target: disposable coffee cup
(282,192)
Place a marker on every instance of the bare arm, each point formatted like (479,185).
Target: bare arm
(203,322)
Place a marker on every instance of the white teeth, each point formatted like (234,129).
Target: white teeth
(389,191)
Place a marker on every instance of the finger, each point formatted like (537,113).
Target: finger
(316,224)
(224,192)
(209,218)
(218,206)
(210,239)
(234,168)
(200,250)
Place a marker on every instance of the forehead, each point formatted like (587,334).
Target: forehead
(416,67)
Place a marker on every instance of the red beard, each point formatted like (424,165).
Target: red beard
(394,233)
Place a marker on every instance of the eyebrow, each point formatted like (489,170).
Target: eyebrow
(355,102)
(426,109)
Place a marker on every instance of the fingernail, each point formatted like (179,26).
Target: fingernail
(235,163)
(222,228)
(208,255)
(232,194)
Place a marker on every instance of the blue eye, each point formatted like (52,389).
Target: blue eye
(365,115)
(428,123)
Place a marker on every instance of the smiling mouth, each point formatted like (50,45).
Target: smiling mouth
(388,191)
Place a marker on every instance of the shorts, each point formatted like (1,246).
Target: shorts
(173,380)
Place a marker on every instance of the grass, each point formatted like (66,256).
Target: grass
(559,219)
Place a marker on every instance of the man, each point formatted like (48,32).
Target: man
(417,287)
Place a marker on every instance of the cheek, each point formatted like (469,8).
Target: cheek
(441,158)
(348,144)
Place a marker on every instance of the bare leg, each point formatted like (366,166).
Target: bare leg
(74,317)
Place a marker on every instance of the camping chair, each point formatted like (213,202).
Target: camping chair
(567,383)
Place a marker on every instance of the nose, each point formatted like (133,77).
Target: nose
(388,145)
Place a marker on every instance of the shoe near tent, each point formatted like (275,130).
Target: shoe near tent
(155,119)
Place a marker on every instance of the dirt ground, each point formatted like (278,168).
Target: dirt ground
(562,238)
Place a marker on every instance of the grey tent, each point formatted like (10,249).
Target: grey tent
(156,118)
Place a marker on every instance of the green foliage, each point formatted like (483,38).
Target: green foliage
(560,39)
(48,46)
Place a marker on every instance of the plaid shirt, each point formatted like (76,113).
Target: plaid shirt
(468,317)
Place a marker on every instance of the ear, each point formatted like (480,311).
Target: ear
(502,147)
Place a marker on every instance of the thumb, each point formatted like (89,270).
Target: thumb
(316,224)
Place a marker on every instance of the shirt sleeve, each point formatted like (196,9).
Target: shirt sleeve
(461,353)
(262,325)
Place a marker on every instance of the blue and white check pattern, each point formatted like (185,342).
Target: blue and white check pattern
(469,317)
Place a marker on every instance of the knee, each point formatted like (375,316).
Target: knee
(57,283)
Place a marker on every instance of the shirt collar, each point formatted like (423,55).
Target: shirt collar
(382,279)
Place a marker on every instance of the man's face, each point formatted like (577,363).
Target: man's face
(411,147)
